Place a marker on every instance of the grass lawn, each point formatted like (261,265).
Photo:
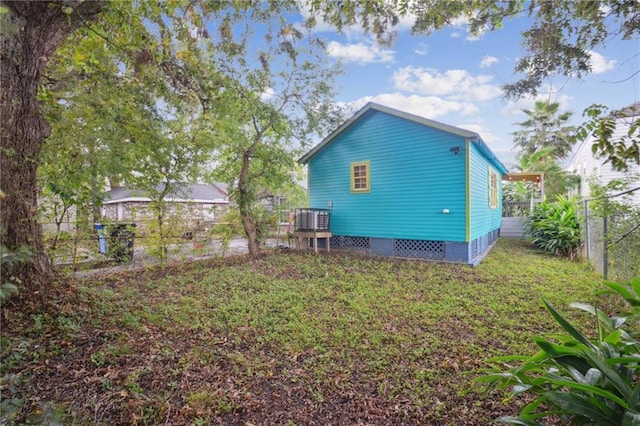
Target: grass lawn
(289,338)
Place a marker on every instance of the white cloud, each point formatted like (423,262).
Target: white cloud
(360,52)
(471,37)
(516,107)
(267,94)
(454,84)
(405,23)
(462,23)
(487,61)
(458,24)
(507,156)
(425,106)
(421,49)
(482,130)
(600,64)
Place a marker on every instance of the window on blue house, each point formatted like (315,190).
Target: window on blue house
(493,189)
(360,177)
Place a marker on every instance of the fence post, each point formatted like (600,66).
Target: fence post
(586,228)
(605,248)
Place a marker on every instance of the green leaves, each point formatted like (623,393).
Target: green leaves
(277,96)
(543,139)
(621,151)
(581,406)
(546,127)
(10,259)
(592,381)
(567,326)
(554,227)
(630,292)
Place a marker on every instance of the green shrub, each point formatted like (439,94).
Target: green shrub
(59,244)
(9,259)
(158,240)
(230,227)
(578,379)
(554,227)
(265,221)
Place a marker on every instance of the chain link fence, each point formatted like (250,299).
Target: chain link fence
(611,237)
(76,245)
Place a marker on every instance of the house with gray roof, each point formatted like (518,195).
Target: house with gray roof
(197,205)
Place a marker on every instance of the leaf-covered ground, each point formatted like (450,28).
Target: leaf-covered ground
(289,338)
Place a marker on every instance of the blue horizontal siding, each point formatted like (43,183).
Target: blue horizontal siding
(483,218)
(414,176)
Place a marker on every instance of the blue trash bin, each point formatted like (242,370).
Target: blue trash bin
(102,238)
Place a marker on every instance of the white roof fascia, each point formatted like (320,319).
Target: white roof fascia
(173,200)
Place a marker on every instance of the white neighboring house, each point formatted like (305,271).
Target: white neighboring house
(197,204)
(584,163)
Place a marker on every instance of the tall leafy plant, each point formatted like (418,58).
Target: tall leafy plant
(554,227)
(580,379)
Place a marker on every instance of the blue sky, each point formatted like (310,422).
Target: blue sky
(454,78)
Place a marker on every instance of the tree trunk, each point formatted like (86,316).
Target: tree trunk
(31,34)
(252,235)
(244,206)
(162,237)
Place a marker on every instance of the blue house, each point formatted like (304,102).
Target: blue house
(402,185)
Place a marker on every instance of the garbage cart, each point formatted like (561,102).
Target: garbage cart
(102,238)
(120,246)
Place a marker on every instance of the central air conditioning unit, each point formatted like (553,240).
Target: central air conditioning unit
(312,219)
